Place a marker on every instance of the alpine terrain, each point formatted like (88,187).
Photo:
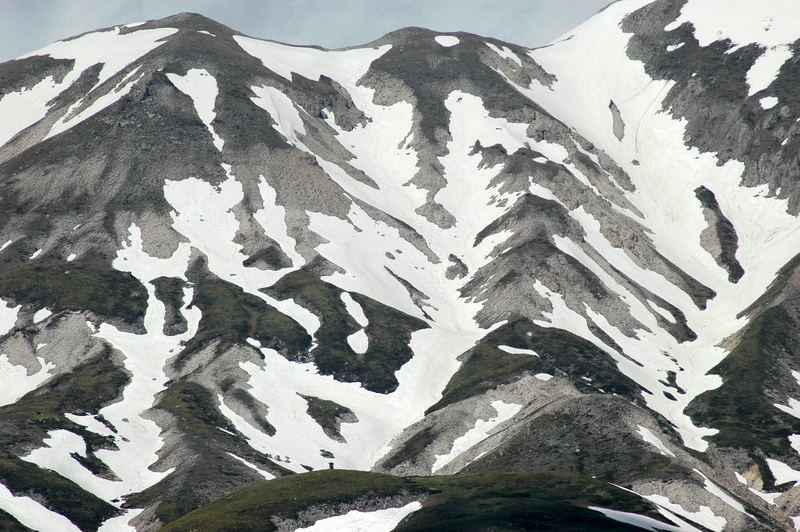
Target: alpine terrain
(491,287)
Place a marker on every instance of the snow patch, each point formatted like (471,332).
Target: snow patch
(782,472)
(138,438)
(651,438)
(766,68)
(266,474)
(355,521)
(201,87)
(476,434)
(283,59)
(704,516)
(17,382)
(768,102)
(358,341)
(282,110)
(19,110)
(769,498)
(41,314)
(272,218)
(280,382)
(517,350)
(769,24)
(203,215)
(8,317)
(354,309)
(505,52)
(447,40)
(717,492)
(32,514)
(91,423)
(639,521)
(120,523)
(69,121)
(664,184)
(664,313)
(543,376)
(793,409)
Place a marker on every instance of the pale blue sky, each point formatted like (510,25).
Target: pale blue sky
(26,25)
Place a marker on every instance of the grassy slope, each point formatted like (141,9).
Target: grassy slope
(554,501)
(86,389)
(209,472)
(231,315)
(389,332)
(87,283)
(487,367)
(9,524)
(745,417)
(327,414)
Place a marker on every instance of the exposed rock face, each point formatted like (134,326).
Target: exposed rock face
(225,260)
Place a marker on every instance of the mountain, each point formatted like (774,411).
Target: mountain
(492,287)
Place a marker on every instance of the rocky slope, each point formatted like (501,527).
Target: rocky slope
(561,281)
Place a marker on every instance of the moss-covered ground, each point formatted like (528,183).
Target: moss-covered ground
(27,421)
(487,501)
(389,332)
(486,367)
(88,283)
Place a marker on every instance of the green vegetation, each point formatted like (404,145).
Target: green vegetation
(411,448)
(203,477)
(496,501)
(231,315)
(581,435)
(744,415)
(208,471)
(487,367)
(169,290)
(271,256)
(328,415)
(521,501)
(87,388)
(9,524)
(195,410)
(726,233)
(88,283)
(252,508)
(249,402)
(389,332)
(56,492)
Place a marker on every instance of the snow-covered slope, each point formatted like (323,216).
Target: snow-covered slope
(229,260)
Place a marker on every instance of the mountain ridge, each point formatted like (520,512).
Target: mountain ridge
(428,254)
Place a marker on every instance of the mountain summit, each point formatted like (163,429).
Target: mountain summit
(492,287)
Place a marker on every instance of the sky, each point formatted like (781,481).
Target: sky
(27,25)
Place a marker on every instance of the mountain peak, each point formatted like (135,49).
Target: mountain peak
(189,21)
